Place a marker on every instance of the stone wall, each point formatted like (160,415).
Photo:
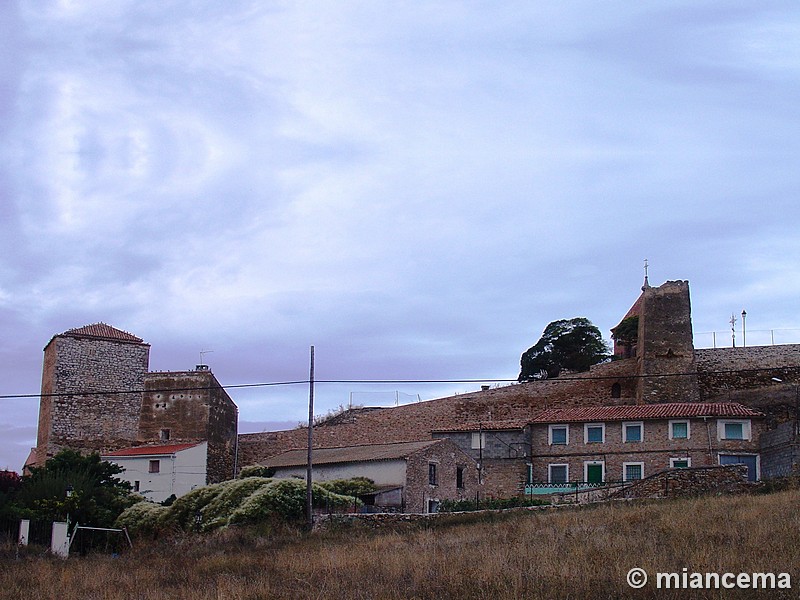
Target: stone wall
(690,482)
(780,451)
(91,390)
(416,421)
(191,406)
(447,457)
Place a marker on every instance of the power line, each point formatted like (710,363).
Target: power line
(569,378)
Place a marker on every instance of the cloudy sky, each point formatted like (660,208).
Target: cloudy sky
(415,188)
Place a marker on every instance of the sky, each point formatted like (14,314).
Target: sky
(414,188)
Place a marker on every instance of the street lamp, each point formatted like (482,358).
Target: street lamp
(744,329)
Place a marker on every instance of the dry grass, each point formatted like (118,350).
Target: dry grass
(559,554)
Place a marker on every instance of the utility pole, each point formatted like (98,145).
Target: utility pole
(733,329)
(309,491)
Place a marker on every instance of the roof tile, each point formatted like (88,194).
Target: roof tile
(644,411)
(151,450)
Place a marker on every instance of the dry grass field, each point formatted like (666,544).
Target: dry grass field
(570,553)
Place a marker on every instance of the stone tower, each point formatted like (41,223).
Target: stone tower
(92,382)
(665,349)
(191,406)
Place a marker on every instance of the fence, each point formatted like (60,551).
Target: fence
(754,337)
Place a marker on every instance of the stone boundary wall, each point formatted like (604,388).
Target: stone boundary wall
(405,520)
(674,483)
(721,370)
(780,451)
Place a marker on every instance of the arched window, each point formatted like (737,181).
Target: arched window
(616,390)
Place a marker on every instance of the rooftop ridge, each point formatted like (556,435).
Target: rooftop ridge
(103,330)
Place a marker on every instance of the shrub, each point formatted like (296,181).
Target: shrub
(143,518)
(250,500)
(355,486)
(256,471)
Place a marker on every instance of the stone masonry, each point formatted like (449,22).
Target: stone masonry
(91,389)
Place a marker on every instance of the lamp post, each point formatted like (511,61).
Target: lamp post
(744,329)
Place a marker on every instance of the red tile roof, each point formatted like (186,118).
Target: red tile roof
(101,330)
(151,450)
(644,411)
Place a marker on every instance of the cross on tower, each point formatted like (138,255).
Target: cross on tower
(646,282)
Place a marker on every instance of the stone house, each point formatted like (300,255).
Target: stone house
(500,450)
(623,443)
(411,477)
(157,472)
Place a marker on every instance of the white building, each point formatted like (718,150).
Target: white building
(157,472)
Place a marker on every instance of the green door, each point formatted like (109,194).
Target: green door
(594,473)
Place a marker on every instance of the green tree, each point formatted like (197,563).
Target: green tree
(573,344)
(83,487)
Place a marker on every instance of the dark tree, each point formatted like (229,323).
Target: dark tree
(96,497)
(572,344)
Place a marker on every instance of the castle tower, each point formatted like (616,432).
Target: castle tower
(191,406)
(665,346)
(92,382)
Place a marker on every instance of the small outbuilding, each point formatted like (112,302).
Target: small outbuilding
(410,477)
(157,472)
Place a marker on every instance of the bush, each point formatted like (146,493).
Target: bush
(256,471)
(143,518)
(250,500)
(356,486)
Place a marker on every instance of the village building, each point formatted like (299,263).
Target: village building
(624,443)
(158,472)
(409,476)
(655,363)
(98,396)
(499,448)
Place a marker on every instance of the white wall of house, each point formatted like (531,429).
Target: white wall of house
(178,473)
(382,472)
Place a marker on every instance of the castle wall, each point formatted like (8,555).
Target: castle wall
(191,406)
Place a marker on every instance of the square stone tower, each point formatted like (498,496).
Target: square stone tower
(92,383)
(665,348)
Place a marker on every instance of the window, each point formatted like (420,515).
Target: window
(680,463)
(460,478)
(164,435)
(594,471)
(632,471)
(616,391)
(594,433)
(632,432)
(433,506)
(557,473)
(135,486)
(478,440)
(431,473)
(733,430)
(155,466)
(679,430)
(558,435)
